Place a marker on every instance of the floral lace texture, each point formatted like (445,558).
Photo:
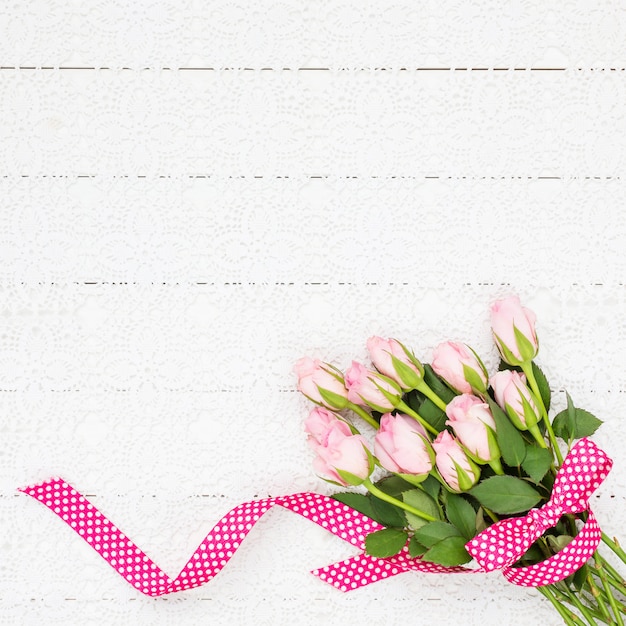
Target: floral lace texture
(172,240)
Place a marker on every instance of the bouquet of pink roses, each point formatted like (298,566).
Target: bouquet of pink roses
(474,469)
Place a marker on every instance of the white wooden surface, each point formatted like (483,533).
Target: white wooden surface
(195,194)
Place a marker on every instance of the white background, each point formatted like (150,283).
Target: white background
(173,239)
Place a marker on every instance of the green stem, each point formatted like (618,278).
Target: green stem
(569,618)
(581,607)
(387,498)
(614,545)
(431,395)
(597,595)
(591,603)
(527,368)
(361,412)
(612,581)
(403,406)
(621,606)
(565,594)
(614,577)
(607,589)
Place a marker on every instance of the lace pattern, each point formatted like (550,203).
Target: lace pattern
(172,240)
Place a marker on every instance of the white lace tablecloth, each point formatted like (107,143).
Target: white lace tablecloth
(195,194)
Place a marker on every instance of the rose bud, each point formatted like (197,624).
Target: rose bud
(401,445)
(459,366)
(369,388)
(393,360)
(321,383)
(513,329)
(319,422)
(455,467)
(512,395)
(474,426)
(341,456)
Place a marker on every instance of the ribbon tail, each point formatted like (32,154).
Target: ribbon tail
(357,571)
(220,543)
(102,535)
(363,569)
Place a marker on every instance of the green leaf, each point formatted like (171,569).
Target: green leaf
(461,514)
(503,365)
(474,379)
(393,485)
(544,387)
(332,399)
(427,409)
(533,555)
(416,548)
(407,374)
(463,478)
(558,543)
(388,514)
(349,477)
(579,578)
(414,479)
(571,409)
(358,502)
(574,423)
(507,356)
(434,532)
(506,494)
(386,542)
(530,416)
(432,487)
(537,462)
(548,481)
(432,414)
(510,441)
(524,345)
(437,385)
(422,502)
(448,552)
(481,524)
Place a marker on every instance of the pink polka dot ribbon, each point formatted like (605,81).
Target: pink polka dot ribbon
(505,542)
(495,548)
(220,544)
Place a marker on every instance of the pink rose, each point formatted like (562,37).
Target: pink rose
(459,367)
(401,445)
(507,316)
(514,397)
(407,371)
(473,424)
(368,388)
(319,421)
(338,449)
(321,383)
(455,467)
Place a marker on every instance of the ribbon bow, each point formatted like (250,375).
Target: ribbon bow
(505,542)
